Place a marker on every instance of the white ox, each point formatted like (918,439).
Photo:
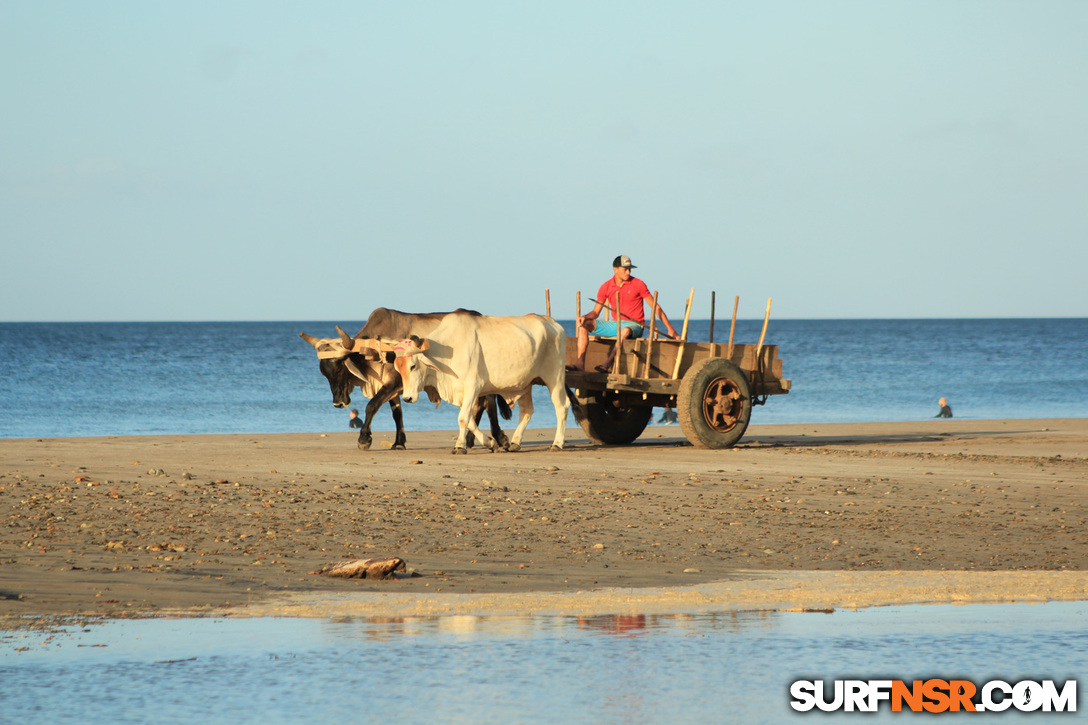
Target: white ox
(466,357)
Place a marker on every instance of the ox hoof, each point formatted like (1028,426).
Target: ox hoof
(514,447)
(462,451)
(398,447)
(364,446)
(555,448)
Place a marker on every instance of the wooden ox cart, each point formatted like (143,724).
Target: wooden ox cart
(711,386)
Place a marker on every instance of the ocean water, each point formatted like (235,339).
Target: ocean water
(179,378)
(88,379)
(685,668)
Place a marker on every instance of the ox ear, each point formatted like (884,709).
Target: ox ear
(310,339)
(347,340)
(354,369)
(420,343)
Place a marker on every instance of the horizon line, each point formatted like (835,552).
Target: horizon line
(558,319)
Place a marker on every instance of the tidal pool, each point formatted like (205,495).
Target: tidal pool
(723,667)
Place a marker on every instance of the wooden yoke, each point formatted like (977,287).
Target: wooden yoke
(369,348)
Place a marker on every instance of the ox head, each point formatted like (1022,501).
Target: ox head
(341,359)
(412,366)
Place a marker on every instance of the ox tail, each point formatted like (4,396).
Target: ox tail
(576,407)
(504,408)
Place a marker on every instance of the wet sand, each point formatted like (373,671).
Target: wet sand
(796,517)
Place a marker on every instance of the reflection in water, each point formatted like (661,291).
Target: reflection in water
(631,624)
(615,623)
(492,626)
(727,666)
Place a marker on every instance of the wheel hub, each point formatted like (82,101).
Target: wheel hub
(722,404)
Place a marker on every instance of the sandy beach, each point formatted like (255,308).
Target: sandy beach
(796,517)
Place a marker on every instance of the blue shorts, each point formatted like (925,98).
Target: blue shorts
(607,328)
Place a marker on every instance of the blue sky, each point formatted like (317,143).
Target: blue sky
(262,160)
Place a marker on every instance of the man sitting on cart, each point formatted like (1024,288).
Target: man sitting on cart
(632,293)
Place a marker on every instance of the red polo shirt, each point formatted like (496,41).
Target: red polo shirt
(632,293)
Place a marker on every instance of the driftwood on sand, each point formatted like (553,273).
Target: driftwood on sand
(364,568)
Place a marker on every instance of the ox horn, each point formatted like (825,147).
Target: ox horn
(347,340)
(309,338)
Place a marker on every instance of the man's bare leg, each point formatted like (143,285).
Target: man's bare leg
(583,343)
(625,333)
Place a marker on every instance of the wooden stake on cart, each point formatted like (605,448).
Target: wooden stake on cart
(619,348)
(650,342)
(548,301)
(733,327)
(578,306)
(766,319)
(683,336)
(712,296)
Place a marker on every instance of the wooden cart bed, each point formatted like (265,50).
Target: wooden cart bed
(712,386)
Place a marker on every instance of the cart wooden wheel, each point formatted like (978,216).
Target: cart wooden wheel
(714,403)
(613,425)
